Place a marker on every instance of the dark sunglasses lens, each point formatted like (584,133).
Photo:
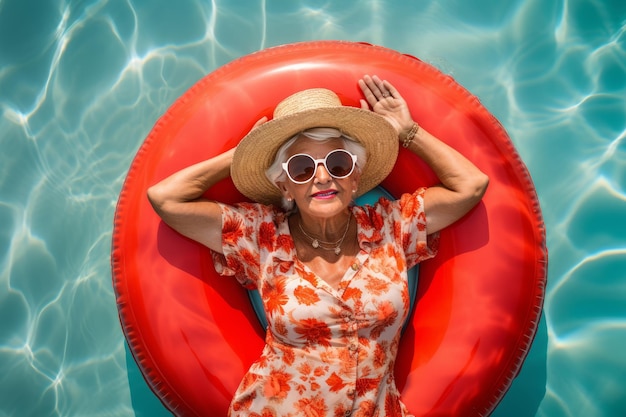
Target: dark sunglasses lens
(339,163)
(301,168)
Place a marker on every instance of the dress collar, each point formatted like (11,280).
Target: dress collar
(367,234)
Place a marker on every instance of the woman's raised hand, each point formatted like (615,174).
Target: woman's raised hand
(384,99)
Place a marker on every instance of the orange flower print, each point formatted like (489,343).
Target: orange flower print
(426,250)
(362,217)
(232,263)
(335,382)
(249,259)
(377,285)
(248,380)
(304,369)
(262,362)
(277,385)
(377,221)
(274,296)
(267,231)
(410,205)
(340,411)
(399,261)
(244,403)
(384,203)
(232,231)
(315,332)
(421,226)
(363,385)
(284,242)
(319,371)
(385,311)
(380,354)
(346,362)
(279,326)
(308,276)
(305,295)
(281,267)
(367,409)
(289,356)
(387,315)
(352,293)
(311,407)
(392,406)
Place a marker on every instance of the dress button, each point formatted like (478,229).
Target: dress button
(347,413)
(352,346)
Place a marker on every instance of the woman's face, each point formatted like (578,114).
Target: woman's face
(324,195)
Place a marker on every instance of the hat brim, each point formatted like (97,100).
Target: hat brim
(257,150)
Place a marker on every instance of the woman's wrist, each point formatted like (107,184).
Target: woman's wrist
(406,135)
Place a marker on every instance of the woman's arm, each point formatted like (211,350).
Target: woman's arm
(178,200)
(462,183)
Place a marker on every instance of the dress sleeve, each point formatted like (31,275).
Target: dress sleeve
(242,225)
(418,245)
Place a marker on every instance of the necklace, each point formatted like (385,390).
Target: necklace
(321,244)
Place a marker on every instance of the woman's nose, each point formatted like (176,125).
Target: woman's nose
(321,175)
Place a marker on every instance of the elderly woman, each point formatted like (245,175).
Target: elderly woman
(332,275)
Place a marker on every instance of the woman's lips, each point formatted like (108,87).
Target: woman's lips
(325,194)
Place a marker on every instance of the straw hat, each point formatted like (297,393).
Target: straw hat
(317,107)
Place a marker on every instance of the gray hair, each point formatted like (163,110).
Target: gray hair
(276,174)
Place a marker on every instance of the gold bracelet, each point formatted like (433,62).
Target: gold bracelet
(409,136)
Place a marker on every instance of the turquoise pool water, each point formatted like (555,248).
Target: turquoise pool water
(82,82)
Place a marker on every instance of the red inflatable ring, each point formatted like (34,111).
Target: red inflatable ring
(194,334)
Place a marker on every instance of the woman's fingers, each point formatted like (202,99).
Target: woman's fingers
(368,92)
(260,122)
(392,90)
(376,86)
(376,90)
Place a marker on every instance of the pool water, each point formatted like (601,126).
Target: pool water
(82,83)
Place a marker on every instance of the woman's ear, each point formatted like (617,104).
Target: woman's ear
(283,189)
(355,178)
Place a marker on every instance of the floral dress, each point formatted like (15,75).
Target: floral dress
(329,352)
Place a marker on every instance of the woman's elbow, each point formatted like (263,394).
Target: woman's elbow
(156,198)
(481,184)
(476,187)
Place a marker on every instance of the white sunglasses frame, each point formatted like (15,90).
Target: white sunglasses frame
(317,162)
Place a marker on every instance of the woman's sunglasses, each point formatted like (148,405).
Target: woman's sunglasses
(301,168)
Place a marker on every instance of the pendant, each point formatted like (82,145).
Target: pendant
(315,244)
(337,250)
